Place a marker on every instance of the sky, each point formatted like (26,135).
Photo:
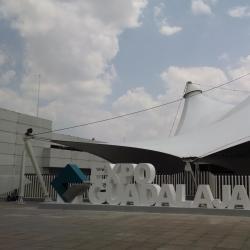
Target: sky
(101,58)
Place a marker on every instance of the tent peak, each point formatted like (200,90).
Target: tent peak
(191,89)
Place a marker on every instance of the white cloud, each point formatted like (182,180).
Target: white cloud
(156,123)
(141,126)
(7,73)
(2,58)
(168,30)
(71,44)
(158,10)
(224,57)
(74,40)
(149,125)
(10,99)
(240,69)
(239,11)
(5,58)
(136,98)
(161,21)
(176,77)
(201,7)
(65,43)
(7,77)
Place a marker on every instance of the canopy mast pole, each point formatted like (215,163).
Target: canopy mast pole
(28,146)
(21,180)
(188,168)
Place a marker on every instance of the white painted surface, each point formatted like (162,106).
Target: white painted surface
(9,183)
(200,111)
(8,115)
(6,159)
(232,129)
(58,158)
(13,125)
(8,126)
(34,121)
(7,148)
(7,137)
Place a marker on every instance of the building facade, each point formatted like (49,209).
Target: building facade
(50,156)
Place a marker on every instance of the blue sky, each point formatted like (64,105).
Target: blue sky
(145,53)
(102,58)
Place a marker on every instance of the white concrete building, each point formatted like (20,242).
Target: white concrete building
(50,157)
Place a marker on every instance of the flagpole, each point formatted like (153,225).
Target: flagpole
(38,95)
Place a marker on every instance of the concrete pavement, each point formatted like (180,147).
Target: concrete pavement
(27,227)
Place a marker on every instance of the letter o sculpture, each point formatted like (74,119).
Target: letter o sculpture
(144,173)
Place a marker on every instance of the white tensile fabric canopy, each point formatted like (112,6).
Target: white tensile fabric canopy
(205,129)
(199,110)
(206,126)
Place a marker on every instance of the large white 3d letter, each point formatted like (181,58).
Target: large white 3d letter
(114,188)
(96,175)
(96,194)
(226,196)
(167,196)
(181,196)
(125,172)
(148,194)
(239,197)
(144,173)
(203,196)
(130,194)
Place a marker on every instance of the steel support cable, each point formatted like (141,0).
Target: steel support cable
(138,111)
(113,117)
(227,89)
(220,148)
(226,83)
(191,160)
(175,118)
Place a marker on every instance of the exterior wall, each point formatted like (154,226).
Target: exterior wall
(13,126)
(59,158)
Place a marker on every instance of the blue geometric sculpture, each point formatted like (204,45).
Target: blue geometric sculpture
(70,174)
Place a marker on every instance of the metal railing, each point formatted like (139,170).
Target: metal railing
(232,180)
(33,190)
